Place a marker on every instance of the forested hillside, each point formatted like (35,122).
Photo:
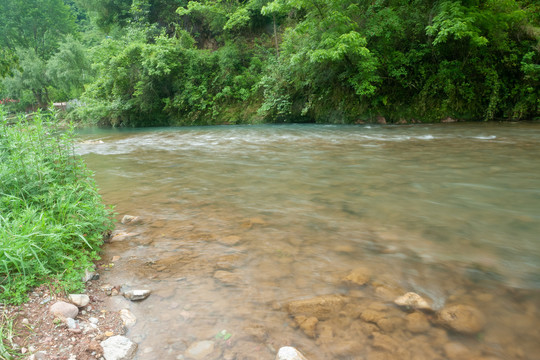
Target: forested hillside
(177,62)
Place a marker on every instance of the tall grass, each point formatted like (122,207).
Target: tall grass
(52,219)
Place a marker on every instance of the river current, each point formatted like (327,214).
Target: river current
(238,222)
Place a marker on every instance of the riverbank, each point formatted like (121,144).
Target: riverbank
(52,221)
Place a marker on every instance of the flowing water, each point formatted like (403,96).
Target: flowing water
(240,221)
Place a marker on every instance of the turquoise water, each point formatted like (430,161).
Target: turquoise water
(420,204)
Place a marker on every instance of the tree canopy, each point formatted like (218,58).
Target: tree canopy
(148,62)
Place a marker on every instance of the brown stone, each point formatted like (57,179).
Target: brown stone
(64,310)
(462,318)
(321,306)
(413,301)
(307,324)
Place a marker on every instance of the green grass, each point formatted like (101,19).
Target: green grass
(52,219)
(6,336)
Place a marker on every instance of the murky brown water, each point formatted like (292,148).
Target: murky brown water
(241,221)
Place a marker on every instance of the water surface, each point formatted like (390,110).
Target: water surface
(239,221)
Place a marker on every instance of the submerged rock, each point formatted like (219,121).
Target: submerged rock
(417,323)
(307,324)
(320,307)
(200,350)
(462,318)
(359,276)
(413,301)
(64,310)
(118,348)
(289,353)
(228,277)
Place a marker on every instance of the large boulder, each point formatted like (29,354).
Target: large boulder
(462,318)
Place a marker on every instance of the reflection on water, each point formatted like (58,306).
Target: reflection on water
(240,221)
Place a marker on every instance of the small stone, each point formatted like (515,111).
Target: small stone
(118,348)
(24,350)
(32,348)
(289,353)
(109,333)
(107,288)
(359,276)
(71,324)
(64,310)
(131,220)
(200,350)
(462,318)
(456,351)
(127,318)
(307,324)
(115,258)
(81,300)
(321,307)
(413,301)
(137,295)
(25,321)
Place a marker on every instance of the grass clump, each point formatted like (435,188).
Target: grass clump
(52,219)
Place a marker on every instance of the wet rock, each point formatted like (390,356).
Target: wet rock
(228,277)
(462,318)
(307,324)
(199,350)
(359,276)
(230,240)
(64,310)
(417,323)
(128,318)
(118,348)
(80,300)
(386,293)
(131,220)
(289,353)
(320,307)
(137,295)
(413,300)
(385,342)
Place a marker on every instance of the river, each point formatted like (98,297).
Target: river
(240,221)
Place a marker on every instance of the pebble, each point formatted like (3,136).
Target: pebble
(289,353)
(93,320)
(131,220)
(64,309)
(72,324)
(359,276)
(81,300)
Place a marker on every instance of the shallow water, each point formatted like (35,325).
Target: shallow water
(240,221)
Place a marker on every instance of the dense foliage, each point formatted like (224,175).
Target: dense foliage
(51,217)
(159,62)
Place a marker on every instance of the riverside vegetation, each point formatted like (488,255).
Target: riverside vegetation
(52,220)
(178,62)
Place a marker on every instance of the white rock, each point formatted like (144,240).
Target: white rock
(413,300)
(128,318)
(81,300)
(118,348)
(72,324)
(200,350)
(93,320)
(289,353)
(137,295)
